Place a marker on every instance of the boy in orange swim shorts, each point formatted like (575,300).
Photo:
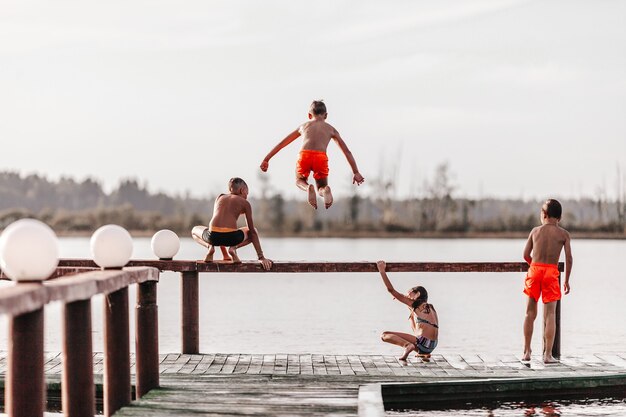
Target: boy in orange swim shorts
(542,253)
(316,135)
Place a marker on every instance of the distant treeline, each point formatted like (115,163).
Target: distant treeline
(71,206)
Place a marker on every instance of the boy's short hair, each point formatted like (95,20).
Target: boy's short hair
(552,208)
(318,108)
(235,184)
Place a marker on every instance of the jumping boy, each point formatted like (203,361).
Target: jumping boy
(223,231)
(316,135)
(542,253)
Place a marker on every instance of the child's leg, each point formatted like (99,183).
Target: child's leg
(549,329)
(232,251)
(405,340)
(324,191)
(225,254)
(209,255)
(529,321)
(303,184)
(196,234)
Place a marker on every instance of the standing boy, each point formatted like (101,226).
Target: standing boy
(542,253)
(223,231)
(316,135)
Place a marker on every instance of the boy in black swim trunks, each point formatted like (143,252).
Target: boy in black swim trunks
(223,231)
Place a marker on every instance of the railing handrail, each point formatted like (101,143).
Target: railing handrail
(27,297)
(315,266)
(24,302)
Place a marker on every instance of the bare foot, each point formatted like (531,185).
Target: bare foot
(407,350)
(209,255)
(328,196)
(526,356)
(423,356)
(233,253)
(312,196)
(550,359)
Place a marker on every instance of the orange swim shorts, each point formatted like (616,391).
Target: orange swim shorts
(543,279)
(316,161)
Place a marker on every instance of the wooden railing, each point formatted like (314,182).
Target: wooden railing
(190,270)
(24,302)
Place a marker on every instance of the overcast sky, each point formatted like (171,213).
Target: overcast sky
(521,98)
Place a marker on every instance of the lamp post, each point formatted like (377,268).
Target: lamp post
(29,253)
(111,248)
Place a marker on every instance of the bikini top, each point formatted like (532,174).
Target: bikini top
(421,320)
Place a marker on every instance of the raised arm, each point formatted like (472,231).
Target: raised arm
(569,259)
(254,237)
(382,266)
(357,178)
(290,138)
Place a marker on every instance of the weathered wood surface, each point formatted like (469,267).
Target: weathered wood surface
(25,297)
(306,266)
(163,265)
(315,384)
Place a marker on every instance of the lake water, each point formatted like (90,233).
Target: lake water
(615,407)
(345,313)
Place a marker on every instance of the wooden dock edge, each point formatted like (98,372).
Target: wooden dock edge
(370,401)
(444,394)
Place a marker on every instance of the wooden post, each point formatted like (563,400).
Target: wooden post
(190,311)
(117,391)
(78,387)
(556,347)
(146,338)
(25,390)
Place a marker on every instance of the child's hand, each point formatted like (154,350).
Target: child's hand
(382,266)
(265,263)
(265,165)
(566,287)
(357,179)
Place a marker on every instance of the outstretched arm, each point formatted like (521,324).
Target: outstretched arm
(254,237)
(357,178)
(382,266)
(290,138)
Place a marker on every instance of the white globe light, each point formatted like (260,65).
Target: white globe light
(29,250)
(111,246)
(165,244)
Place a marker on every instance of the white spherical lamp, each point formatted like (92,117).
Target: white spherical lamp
(29,250)
(111,246)
(165,244)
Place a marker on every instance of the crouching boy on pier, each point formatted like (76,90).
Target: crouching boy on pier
(542,253)
(223,231)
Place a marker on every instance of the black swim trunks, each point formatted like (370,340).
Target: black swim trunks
(223,238)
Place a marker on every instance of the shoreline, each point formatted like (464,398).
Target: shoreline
(386,235)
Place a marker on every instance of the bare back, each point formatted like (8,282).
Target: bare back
(316,134)
(422,328)
(546,242)
(227,209)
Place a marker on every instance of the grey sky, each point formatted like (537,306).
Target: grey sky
(522,98)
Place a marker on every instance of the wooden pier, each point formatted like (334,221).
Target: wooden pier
(189,383)
(316,384)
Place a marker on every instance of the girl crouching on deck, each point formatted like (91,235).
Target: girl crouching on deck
(423,319)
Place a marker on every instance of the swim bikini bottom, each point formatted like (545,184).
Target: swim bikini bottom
(425,345)
(223,238)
